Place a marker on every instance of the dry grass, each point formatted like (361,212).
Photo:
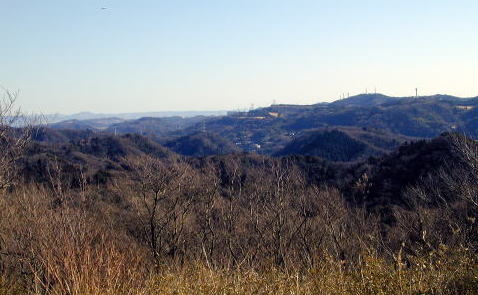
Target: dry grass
(438,273)
(456,274)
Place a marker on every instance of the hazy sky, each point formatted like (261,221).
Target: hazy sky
(71,56)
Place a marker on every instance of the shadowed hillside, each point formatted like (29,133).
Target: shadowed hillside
(342,144)
(202,144)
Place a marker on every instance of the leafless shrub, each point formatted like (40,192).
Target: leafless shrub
(67,250)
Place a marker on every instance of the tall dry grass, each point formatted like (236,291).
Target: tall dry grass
(441,273)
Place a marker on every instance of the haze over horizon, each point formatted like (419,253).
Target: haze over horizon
(224,111)
(70,56)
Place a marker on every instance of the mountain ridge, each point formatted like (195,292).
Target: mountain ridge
(270,130)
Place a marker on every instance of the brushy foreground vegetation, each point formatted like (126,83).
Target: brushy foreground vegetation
(237,225)
(441,273)
(299,241)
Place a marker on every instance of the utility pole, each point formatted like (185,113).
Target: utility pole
(416,92)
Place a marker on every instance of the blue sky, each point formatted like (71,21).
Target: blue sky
(71,56)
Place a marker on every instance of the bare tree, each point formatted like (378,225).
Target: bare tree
(463,177)
(206,215)
(442,205)
(16,132)
(166,197)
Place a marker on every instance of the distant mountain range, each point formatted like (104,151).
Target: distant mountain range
(55,118)
(343,130)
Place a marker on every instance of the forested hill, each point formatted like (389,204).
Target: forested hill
(279,129)
(202,144)
(343,144)
(379,181)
